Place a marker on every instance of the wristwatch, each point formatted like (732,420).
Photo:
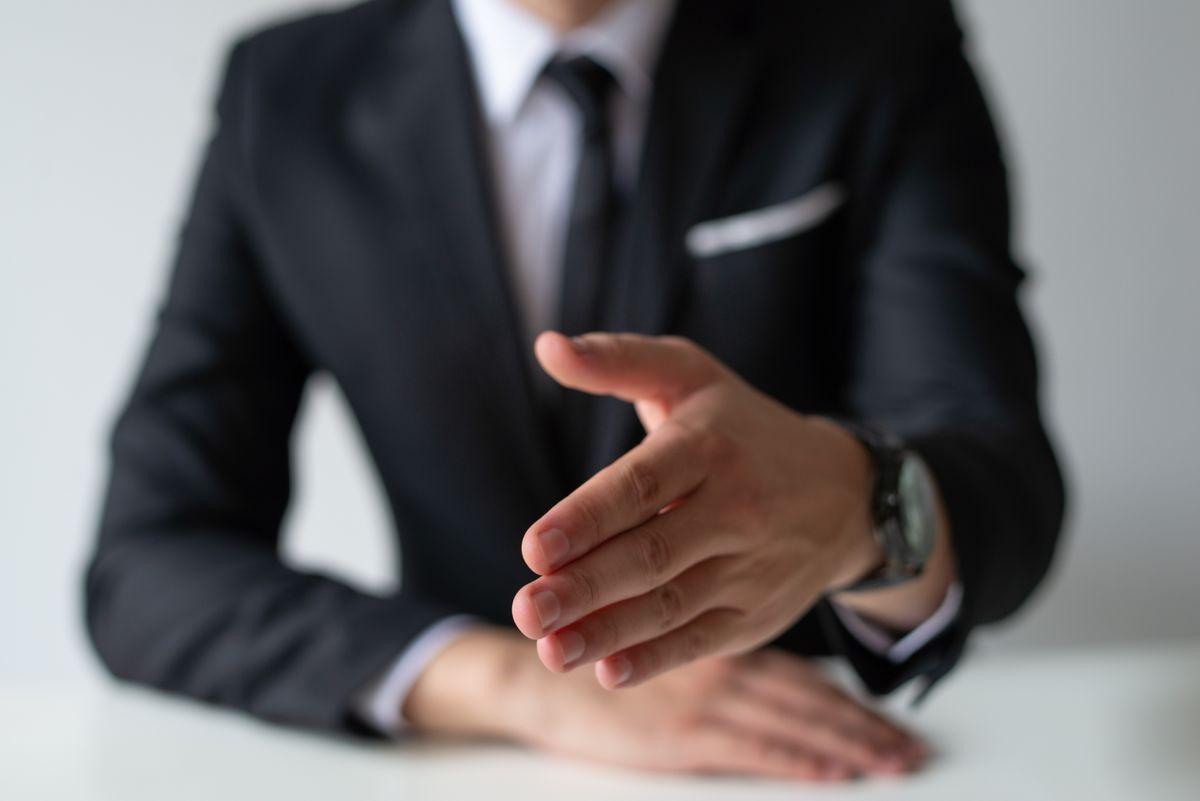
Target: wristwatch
(903,508)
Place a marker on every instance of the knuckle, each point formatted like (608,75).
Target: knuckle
(717,447)
(650,659)
(656,551)
(641,483)
(584,589)
(670,606)
(617,348)
(693,645)
(689,439)
(748,506)
(604,634)
(687,347)
(695,355)
(590,516)
(601,633)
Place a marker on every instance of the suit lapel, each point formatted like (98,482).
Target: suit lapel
(703,84)
(424,117)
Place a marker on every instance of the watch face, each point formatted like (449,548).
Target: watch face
(917,507)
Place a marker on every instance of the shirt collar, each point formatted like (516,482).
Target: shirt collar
(509,46)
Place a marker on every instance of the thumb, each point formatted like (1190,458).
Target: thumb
(631,367)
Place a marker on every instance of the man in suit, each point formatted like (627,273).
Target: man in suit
(703,312)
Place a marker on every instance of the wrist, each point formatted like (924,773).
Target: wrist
(468,689)
(859,553)
(862,555)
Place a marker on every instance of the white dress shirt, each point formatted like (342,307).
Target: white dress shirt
(534,128)
(533,133)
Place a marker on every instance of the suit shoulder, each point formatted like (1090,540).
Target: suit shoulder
(884,33)
(301,45)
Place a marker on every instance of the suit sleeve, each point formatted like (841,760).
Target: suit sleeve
(940,353)
(186,591)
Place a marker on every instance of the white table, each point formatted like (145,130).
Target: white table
(1089,725)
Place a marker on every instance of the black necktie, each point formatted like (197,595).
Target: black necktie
(590,226)
(590,234)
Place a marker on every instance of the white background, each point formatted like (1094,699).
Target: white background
(104,106)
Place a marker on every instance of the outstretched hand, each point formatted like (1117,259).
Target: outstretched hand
(712,536)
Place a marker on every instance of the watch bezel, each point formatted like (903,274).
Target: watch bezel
(892,508)
(915,506)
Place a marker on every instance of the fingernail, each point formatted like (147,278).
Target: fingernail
(554,546)
(578,344)
(621,669)
(547,607)
(572,645)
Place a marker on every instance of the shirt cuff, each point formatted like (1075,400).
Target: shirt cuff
(379,703)
(878,640)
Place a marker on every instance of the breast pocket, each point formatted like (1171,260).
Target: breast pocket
(759,227)
(763,298)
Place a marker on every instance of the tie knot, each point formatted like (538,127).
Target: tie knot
(588,84)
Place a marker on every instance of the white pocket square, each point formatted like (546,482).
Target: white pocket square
(764,225)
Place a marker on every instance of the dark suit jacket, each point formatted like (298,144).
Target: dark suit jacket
(342,223)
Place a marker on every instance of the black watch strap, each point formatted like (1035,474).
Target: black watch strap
(887,455)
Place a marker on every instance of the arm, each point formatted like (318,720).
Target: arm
(941,354)
(765,508)
(185,590)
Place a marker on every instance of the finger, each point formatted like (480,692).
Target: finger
(625,567)
(707,635)
(851,716)
(664,467)
(792,682)
(784,669)
(810,732)
(631,367)
(635,620)
(725,748)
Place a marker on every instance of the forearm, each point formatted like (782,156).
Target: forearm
(209,615)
